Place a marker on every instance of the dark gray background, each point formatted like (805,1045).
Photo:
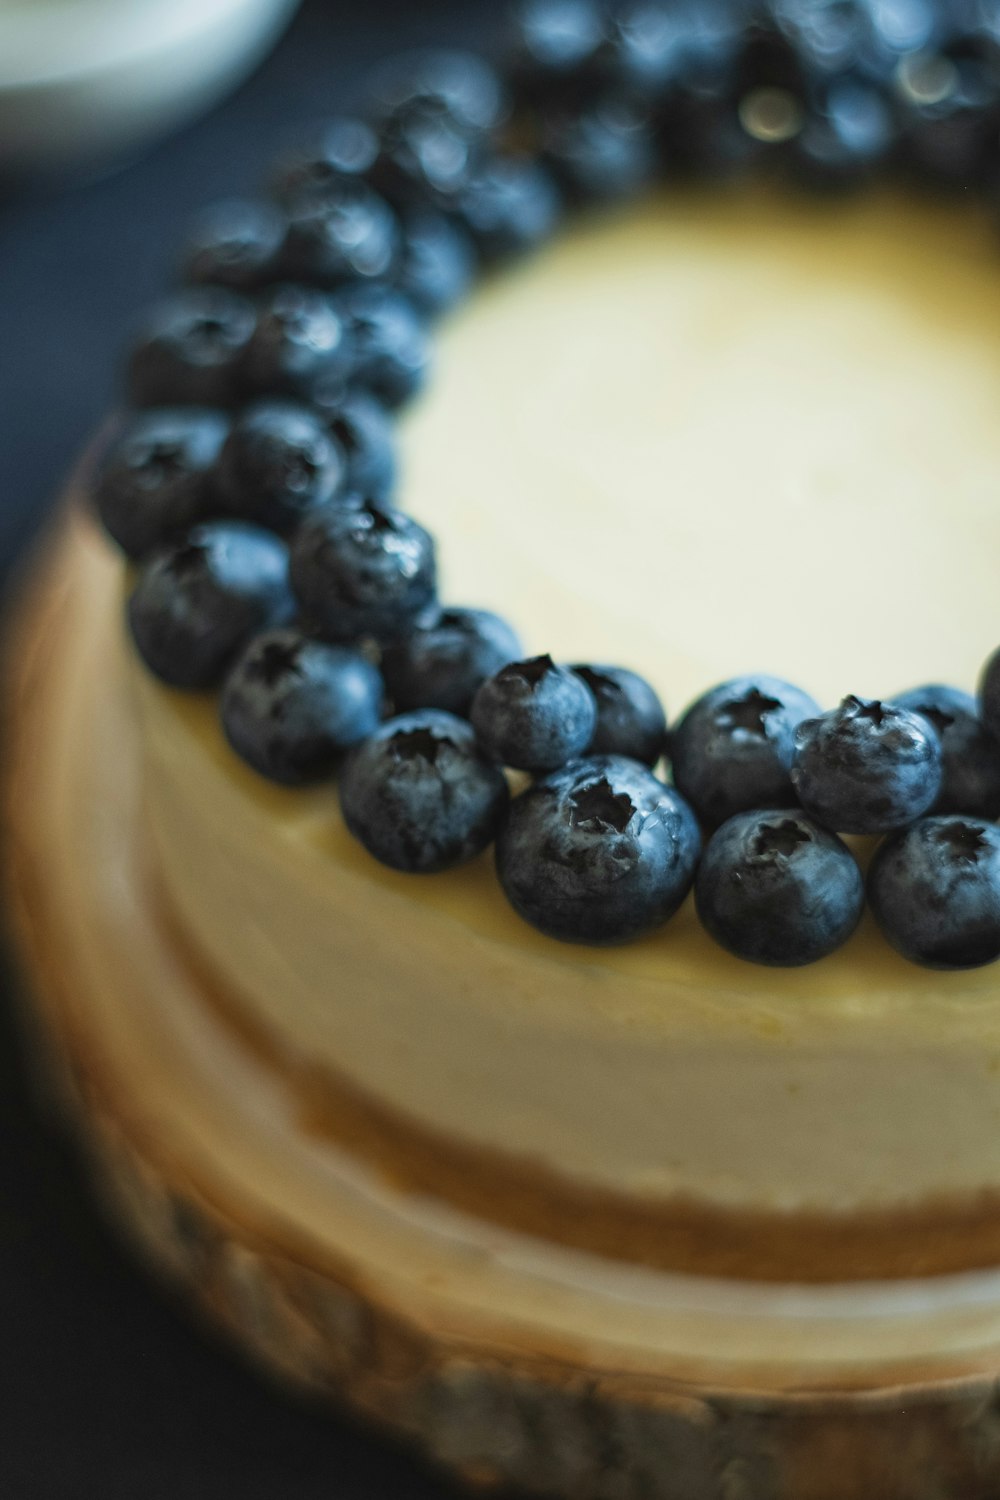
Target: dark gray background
(106,1391)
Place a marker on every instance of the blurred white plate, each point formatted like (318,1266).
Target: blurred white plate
(93,79)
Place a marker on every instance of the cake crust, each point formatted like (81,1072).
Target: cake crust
(496,1403)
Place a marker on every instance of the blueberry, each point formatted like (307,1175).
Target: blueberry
(291,705)
(597,852)
(630,717)
(934,889)
(732,750)
(776,888)
(844,140)
(422,153)
(509,204)
(607,152)
(364,433)
(155,480)
(343,149)
(189,352)
(300,342)
(438,262)
(420,796)
(280,461)
(390,342)
(534,715)
(348,234)
(970,756)
(867,766)
(196,604)
(557,48)
(447,82)
(362,569)
(442,664)
(235,244)
(989,695)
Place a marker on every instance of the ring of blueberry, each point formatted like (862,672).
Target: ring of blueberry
(252,482)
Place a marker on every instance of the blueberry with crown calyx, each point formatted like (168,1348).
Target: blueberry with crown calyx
(347,234)
(235,244)
(970,756)
(732,749)
(195,604)
(291,706)
(534,715)
(362,569)
(443,663)
(154,481)
(391,349)
(190,350)
(598,851)
(300,342)
(437,264)
(420,795)
(630,717)
(279,463)
(776,888)
(934,890)
(867,766)
(365,435)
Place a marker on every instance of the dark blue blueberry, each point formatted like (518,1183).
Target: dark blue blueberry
(630,717)
(606,152)
(420,796)
(557,49)
(197,603)
(191,348)
(845,139)
(867,766)
(361,570)
(934,889)
(423,154)
(534,715)
(650,46)
(280,461)
(291,706)
(777,888)
(828,36)
(155,480)
(365,435)
(348,234)
(235,244)
(300,342)
(597,852)
(438,262)
(509,204)
(970,756)
(443,663)
(342,149)
(732,750)
(390,342)
(989,695)
(459,86)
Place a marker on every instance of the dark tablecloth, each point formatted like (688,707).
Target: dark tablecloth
(106,1390)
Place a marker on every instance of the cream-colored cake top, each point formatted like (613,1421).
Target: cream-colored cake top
(729,433)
